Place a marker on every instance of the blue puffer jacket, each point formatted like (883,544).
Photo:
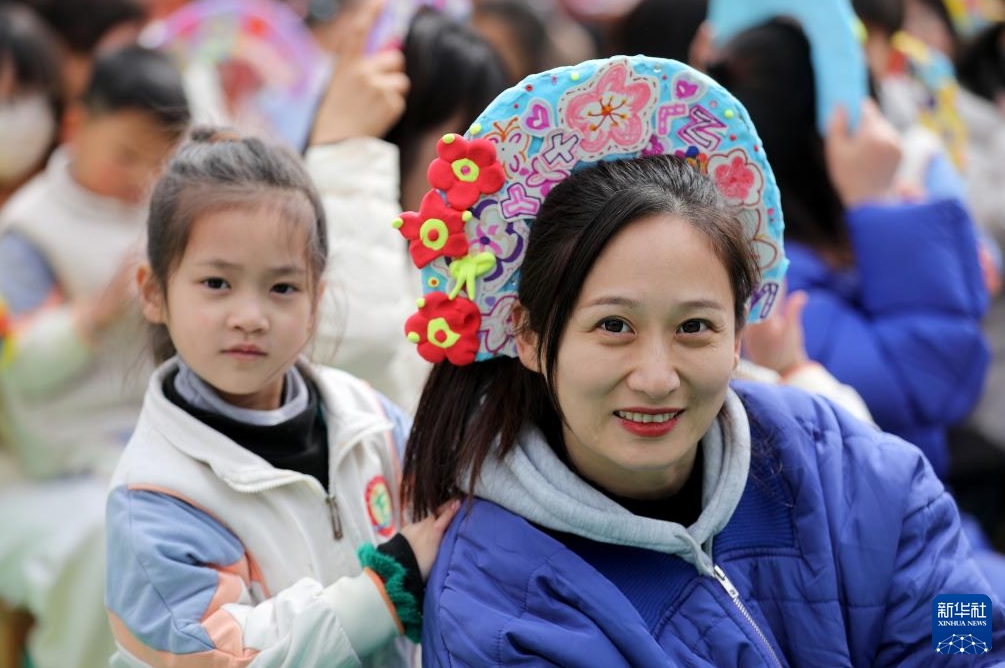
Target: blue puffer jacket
(842,537)
(904,328)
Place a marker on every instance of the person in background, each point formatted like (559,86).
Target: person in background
(518,32)
(254,480)
(31,99)
(72,374)
(979,443)
(918,357)
(666,29)
(85,29)
(374,130)
(453,73)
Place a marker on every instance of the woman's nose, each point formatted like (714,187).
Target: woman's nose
(654,372)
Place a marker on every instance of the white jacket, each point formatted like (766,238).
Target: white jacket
(216,557)
(372,284)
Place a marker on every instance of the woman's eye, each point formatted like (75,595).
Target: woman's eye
(614,326)
(215,283)
(694,327)
(284,288)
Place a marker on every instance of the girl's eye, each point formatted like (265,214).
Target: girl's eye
(694,327)
(284,288)
(215,283)
(614,326)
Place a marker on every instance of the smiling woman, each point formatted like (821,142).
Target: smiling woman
(628,506)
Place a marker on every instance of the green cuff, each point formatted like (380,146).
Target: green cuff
(392,573)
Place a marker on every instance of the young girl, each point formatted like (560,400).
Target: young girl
(253,478)
(632,507)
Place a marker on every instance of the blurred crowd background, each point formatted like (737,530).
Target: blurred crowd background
(101,91)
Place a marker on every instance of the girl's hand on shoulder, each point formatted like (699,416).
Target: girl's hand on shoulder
(862,163)
(425,536)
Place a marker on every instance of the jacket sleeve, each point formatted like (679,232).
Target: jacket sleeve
(43,347)
(182,591)
(907,336)
(933,557)
(372,284)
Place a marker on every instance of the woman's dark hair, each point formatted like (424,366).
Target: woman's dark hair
(662,28)
(218,169)
(30,48)
(467,411)
(981,66)
(768,69)
(453,72)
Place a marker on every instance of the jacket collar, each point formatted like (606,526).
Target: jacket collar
(240,468)
(534,483)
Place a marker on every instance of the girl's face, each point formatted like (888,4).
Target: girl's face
(238,305)
(646,358)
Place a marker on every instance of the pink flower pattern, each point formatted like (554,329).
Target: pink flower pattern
(612,112)
(739,180)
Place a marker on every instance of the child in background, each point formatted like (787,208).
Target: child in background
(30,96)
(87,29)
(253,478)
(71,383)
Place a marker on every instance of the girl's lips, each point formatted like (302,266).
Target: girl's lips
(244,353)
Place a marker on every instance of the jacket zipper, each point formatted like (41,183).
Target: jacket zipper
(335,517)
(734,595)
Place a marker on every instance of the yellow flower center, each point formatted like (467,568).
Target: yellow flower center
(434,234)
(440,335)
(465,170)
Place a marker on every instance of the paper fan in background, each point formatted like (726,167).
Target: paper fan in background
(249,63)
(392,25)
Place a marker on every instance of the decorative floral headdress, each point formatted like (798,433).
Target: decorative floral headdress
(471,230)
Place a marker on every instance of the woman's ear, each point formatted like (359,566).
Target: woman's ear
(151,295)
(527,341)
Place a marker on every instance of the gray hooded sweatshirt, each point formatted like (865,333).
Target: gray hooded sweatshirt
(534,483)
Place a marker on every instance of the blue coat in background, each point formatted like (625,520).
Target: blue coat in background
(903,328)
(841,539)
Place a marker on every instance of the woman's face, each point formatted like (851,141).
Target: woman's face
(645,360)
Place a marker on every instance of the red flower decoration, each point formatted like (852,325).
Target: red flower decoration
(465,170)
(437,230)
(445,329)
